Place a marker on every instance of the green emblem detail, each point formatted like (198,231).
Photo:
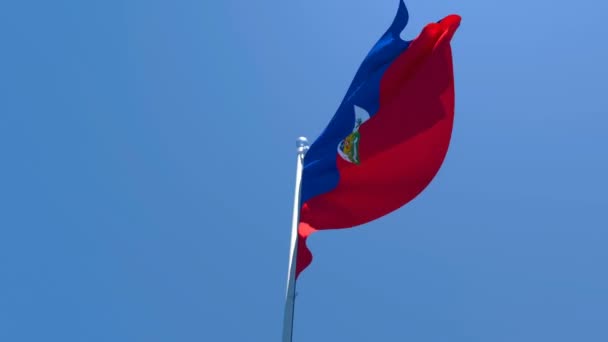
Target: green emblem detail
(349,147)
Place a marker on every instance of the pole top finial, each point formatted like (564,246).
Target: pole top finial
(302,145)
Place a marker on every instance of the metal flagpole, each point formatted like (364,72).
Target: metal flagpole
(290,297)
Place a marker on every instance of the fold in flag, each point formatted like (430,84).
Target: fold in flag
(389,136)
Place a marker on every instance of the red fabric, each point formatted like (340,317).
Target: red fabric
(402,146)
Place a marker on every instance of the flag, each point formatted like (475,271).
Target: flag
(389,136)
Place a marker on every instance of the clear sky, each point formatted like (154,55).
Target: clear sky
(148,159)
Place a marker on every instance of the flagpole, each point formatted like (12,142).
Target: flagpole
(290,297)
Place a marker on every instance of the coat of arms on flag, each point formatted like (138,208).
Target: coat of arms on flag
(349,147)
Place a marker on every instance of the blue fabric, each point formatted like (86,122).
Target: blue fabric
(320,172)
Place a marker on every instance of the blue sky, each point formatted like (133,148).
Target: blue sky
(148,156)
